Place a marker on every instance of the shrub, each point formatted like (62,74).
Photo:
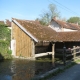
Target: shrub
(5,38)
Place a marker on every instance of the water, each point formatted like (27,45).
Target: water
(18,69)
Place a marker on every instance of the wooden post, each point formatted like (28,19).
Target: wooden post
(53,52)
(74,52)
(33,50)
(64,55)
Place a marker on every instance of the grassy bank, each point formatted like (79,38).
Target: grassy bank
(5,38)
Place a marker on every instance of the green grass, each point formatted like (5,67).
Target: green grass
(77,61)
(44,60)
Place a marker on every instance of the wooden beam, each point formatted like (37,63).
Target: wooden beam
(33,50)
(43,54)
(64,55)
(53,52)
(74,52)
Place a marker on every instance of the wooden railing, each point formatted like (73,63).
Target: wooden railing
(75,51)
(65,53)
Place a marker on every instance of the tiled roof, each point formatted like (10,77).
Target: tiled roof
(8,23)
(67,25)
(44,33)
(68,36)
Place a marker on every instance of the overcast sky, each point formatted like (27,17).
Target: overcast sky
(31,9)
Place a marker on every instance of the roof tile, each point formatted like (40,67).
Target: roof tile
(45,33)
(67,25)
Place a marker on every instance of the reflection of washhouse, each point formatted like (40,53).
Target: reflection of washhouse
(23,69)
(13,67)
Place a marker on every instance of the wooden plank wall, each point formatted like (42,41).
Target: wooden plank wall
(23,42)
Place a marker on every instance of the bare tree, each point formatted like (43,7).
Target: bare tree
(46,17)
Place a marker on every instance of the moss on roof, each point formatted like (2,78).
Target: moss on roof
(45,33)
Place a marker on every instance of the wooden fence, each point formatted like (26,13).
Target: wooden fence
(65,53)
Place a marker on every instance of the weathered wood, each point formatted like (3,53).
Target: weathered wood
(23,42)
(53,52)
(33,50)
(64,55)
(43,54)
(75,48)
(74,52)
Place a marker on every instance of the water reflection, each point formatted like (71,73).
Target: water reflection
(22,69)
(5,71)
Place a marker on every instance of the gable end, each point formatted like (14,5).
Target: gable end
(25,30)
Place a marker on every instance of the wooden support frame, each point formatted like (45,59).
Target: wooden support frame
(33,50)
(64,55)
(53,54)
(74,52)
(43,54)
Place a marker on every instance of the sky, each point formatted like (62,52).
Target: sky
(31,9)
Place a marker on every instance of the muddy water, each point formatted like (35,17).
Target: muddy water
(18,69)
